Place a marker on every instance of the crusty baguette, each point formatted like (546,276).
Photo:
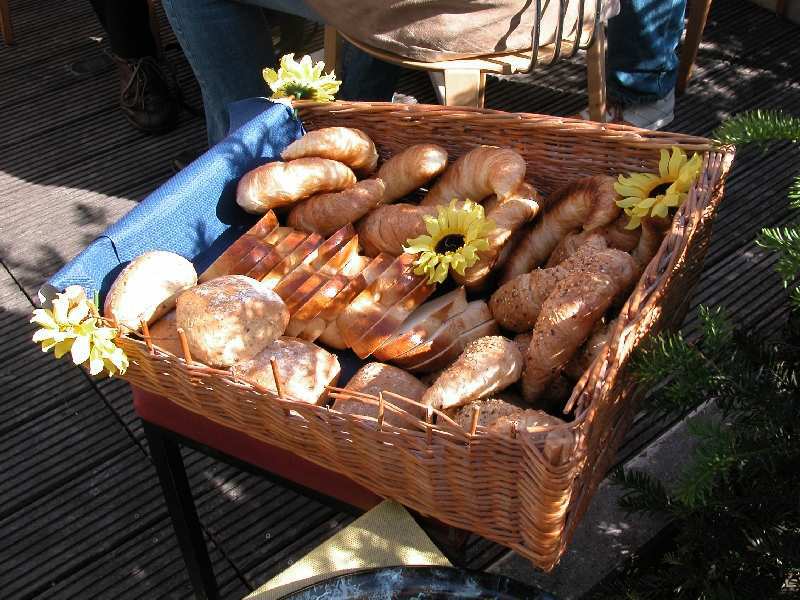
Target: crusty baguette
(305,369)
(388,228)
(348,145)
(284,241)
(332,337)
(410,169)
(376,378)
(147,288)
(371,305)
(476,313)
(508,216)
(164,334)
(422,323)
(325,213)
(483,171)
(587,203)
(230,318)
(279,184)
(567,318)
(487,365)
(392,319)
(224,265)
(301,252)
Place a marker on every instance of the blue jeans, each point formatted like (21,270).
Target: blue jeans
(642,65)
(228,44)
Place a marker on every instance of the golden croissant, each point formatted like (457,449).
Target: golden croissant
(388,228)
(413,167)
(348,145)
(587,203)
(508,216)
(326,213)
(283,183)
(615,235)
(481,172)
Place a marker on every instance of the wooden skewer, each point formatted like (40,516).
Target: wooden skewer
(187,356)
(473,426)
(380,410)
(146,336)
(278,383)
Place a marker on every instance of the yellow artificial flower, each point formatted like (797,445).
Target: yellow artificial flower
(74,325)
(454,239)
(301,80)
(655,194)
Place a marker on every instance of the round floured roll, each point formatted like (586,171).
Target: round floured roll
(146,289)
(230,318)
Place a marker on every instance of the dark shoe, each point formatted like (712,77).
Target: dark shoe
(184,157)
(146,96)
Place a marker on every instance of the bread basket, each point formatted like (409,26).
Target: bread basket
(524,491)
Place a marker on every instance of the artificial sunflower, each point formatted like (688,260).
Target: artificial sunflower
(455,236)
(655,194)
(74,325)
(301,80)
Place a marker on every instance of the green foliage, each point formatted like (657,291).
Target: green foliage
(736,506)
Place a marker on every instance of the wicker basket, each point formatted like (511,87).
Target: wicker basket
(527,492)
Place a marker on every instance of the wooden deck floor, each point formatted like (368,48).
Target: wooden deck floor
(81,515)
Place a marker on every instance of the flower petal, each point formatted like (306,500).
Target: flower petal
(80,350)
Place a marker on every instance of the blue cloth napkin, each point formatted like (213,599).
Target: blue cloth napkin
(194,214)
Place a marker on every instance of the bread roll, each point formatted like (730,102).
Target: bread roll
(374,378)
(305,369)
(147,287)
(348,145)
(491,409)
(525,421)
(164,334)
(281,184)
(230,319)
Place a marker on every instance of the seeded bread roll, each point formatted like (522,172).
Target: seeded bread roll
(146,289)
(374,378)
(304,369)
(491,409)
(230,319)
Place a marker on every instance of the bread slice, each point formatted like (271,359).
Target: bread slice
(284,240)
(447,357)
(422,323)
(372,304)
(476,313)
(310,243)
(392,319)
(233,254)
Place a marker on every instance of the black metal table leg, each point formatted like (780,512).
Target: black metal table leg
(166,455)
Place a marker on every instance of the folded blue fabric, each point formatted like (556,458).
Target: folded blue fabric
(194,214)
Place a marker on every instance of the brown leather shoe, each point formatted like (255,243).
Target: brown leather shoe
(146,97)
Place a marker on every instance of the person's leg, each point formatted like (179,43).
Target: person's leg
(228,44)
(147,96)
(642,64)
(367,78)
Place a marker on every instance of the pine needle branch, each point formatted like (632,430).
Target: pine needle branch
(759,127)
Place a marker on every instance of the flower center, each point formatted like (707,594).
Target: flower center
(660,189)
(450,243)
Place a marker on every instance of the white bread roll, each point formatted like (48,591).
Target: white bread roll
(147,287)
(374,378)
(230,318)
(304,369)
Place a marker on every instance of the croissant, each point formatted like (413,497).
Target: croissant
(508,216)
(326,213)
(348,145)
(487,365)
(567,318)
(282,183)
(588,203)
(653,230)
(479,173)
(615,235)
(388,228)
(413,167)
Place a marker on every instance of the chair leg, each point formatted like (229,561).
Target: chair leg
(464,87)
(166,455)
(5,23)
(333,50)
(695,23)
(596,75)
